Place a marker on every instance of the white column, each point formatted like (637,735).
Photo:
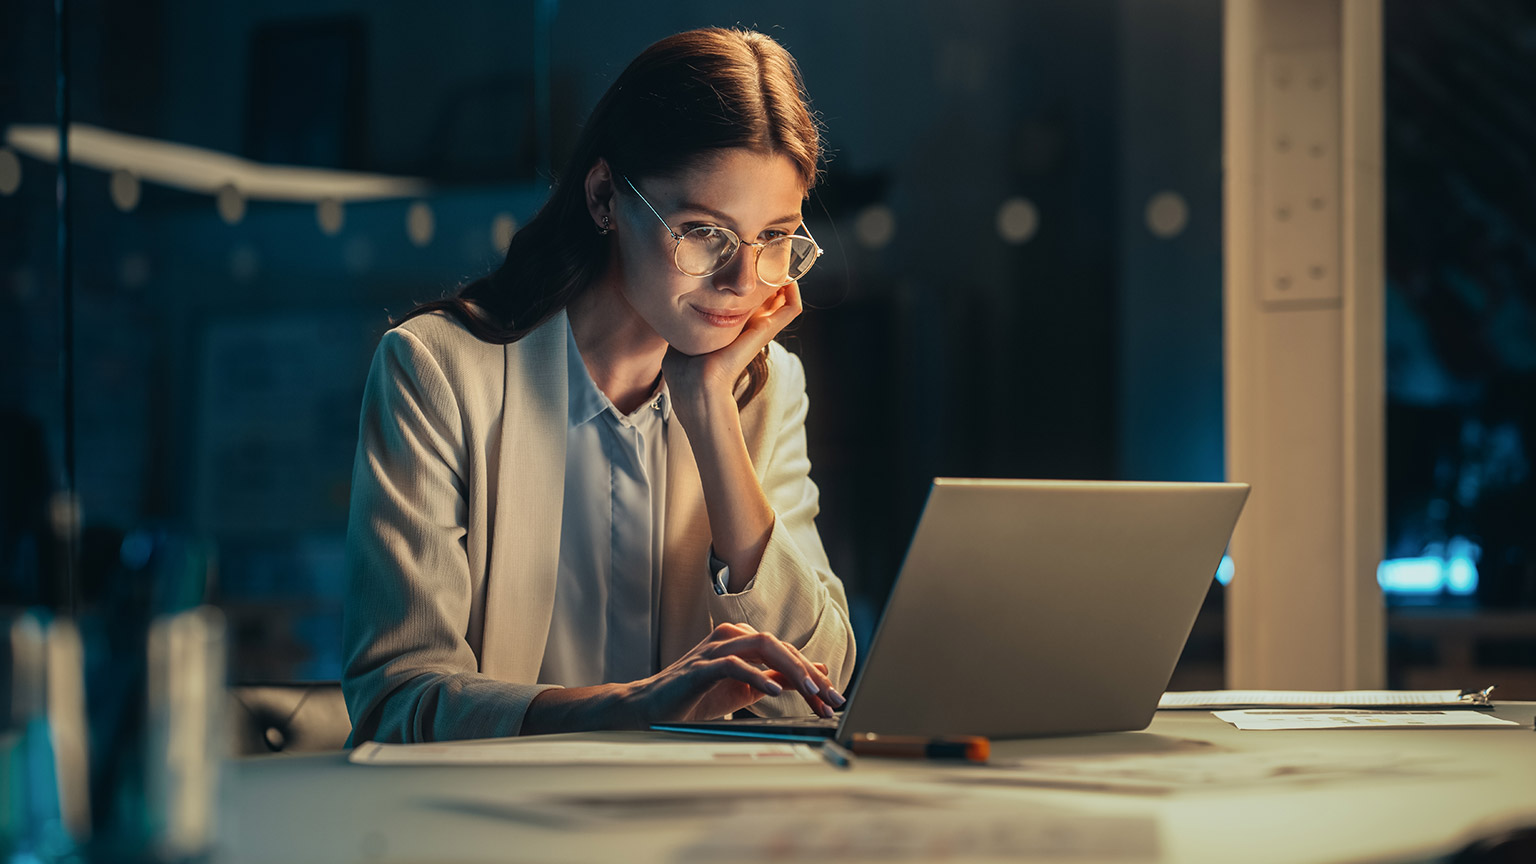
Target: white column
(1304,343)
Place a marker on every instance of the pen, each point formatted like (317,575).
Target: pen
(971,748)
(836,755)
(1477,697)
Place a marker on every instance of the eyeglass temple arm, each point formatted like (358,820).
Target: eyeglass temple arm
(819,251)
(675,235)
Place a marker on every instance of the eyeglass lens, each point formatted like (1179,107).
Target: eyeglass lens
(705,250)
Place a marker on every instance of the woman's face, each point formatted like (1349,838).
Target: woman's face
(755,195)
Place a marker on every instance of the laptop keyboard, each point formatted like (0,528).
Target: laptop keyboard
(807,720)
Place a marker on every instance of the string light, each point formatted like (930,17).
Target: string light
(330,216)
(230,204)
(502,229)
(420,224)
(124,188)
(233,182)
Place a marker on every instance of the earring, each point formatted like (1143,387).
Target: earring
(605,229)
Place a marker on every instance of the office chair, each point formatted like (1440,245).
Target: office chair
(1511,847)
(288,718)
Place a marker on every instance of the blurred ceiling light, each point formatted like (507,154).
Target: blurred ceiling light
(1017,221)
(1167,215)
(331,216)
(125,190)
(231,204)
(10,171)
(502,229)
(196,169)
(420,224)
(875,226)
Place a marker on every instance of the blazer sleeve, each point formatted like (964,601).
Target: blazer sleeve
(794,594)
(410,673)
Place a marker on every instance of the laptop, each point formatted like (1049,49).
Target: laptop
(1031,608)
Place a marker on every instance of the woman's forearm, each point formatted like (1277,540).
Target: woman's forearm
(740,518)
(582,709)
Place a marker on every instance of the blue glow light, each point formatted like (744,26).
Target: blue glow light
(1451,569)
(1224,570)
(1454,572)
(1411,575)
(1461,576)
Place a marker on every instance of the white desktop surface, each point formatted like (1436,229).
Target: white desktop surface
(1475,782)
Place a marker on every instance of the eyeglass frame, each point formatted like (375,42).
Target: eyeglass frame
(677,242)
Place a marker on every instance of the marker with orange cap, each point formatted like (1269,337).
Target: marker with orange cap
(972,748)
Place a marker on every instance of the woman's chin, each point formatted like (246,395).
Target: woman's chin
(695,344)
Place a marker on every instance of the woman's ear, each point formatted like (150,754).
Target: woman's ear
(599,190)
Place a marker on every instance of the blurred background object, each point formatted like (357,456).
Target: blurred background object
(44,806)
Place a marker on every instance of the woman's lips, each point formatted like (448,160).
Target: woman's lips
(722,318)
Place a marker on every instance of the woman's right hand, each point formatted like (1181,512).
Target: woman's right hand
(732,668)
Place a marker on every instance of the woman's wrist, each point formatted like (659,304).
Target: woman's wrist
(703,409)
(583,709)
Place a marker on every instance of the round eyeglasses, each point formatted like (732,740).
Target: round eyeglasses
(705,250)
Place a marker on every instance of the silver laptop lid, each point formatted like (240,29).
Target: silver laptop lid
(1031,607)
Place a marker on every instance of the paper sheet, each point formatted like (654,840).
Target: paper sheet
(536,752)
(1269,719)
(1209,699)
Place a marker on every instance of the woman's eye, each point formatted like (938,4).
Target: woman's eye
(774,235)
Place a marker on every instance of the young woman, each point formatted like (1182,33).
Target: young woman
(581,498)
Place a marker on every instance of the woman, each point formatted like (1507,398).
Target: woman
(581,498)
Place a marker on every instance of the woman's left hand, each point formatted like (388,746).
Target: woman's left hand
(705,377)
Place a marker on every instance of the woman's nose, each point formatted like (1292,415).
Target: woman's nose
(739,275)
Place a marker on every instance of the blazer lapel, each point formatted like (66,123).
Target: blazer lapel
(526,505)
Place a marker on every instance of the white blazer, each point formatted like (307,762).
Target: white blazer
(454,534)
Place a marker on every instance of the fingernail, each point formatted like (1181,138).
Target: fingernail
(824,710)
(773,687)
(835,698)
(810,685)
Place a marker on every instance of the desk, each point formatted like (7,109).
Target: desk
(319,808)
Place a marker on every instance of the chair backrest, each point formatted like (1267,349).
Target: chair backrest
(288,718)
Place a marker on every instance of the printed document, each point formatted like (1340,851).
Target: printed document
(535,752)
(1265,719)
(1212,699)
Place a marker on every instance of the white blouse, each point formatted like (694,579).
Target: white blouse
(612,523)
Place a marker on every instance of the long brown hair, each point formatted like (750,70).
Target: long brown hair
(683,98)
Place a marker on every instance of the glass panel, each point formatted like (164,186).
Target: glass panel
(1460,568)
